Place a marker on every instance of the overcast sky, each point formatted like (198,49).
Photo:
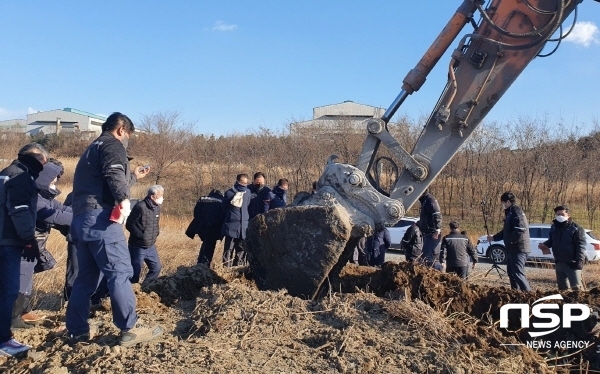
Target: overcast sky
(233,66)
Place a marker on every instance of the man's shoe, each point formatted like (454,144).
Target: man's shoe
(18,323)
(83,338)
(33,317)
(139,334)
(13,348)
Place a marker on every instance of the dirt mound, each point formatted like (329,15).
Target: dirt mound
(411,320)
(186,282)
(452,296)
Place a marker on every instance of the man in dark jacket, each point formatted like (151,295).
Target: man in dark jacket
(430,224)
(50,212)
(412,243)
(235,205)
(377,245)
(18,211)
(143,226)
(101,193)
(567,240)
(279,194)
(515,234)
(207,223)
(260,196)
(455,251)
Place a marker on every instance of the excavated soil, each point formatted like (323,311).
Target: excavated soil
(398,319)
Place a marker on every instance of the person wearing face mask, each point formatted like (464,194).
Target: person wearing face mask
(18,212)
(515,234)
(101,186)
(143,227)
(50,213)
(567,240)
(260,196)
(235,205)
(278,197)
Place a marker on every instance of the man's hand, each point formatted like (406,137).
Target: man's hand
(490,238)
(140,172)
(31,250)
(576,265)
(544,248)
(125,207)
(436,234)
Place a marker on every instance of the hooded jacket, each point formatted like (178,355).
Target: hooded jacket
(50,212)
(412,242)
(278,198)
(430,219)
(18,201)
(567,240)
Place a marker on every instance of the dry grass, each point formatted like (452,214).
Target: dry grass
(174,248)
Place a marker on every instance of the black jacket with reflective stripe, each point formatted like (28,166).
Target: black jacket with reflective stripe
(102,176)
(515,232)
(456,250)
(18,204)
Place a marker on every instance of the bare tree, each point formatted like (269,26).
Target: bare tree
(164,139)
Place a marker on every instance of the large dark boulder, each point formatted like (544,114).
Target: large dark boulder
(298,247)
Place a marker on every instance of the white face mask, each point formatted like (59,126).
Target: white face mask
(561,219)
(159,200)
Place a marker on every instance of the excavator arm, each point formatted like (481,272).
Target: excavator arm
(510,34)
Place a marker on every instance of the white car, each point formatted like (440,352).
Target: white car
(538,233)
(399,229)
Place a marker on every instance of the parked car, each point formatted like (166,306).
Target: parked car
(538,233)
(399,229)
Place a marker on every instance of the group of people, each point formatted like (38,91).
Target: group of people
(219,216)
(454,252)
(100,261)
(101,264)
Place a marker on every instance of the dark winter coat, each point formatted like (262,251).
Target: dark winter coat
(143,224)
(430,219)
(278,198)
(102,176)
(456,249)
(236,219)
(412,243)
(259,200)
(50,212)
(567,240)
(18,201)
(377,245)
(209,216)
(515,232)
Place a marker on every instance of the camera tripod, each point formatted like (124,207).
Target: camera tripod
(495,266)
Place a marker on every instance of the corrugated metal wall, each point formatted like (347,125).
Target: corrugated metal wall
(348,108)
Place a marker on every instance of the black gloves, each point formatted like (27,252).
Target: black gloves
(31,251)
(576,265)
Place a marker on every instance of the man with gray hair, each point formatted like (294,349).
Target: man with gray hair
(143,227)
(18,213)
